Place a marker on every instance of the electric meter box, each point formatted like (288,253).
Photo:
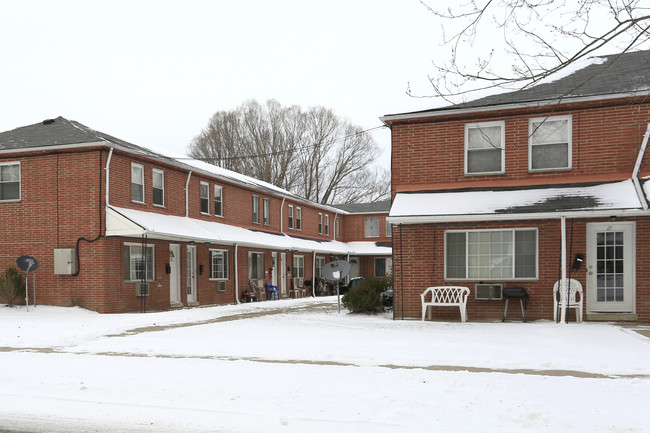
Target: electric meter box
(64,261)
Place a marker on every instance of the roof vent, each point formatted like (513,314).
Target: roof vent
(48,121)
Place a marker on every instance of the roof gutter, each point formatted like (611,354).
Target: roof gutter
(637,167)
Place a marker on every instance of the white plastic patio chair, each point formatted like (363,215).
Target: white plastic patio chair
(575,298)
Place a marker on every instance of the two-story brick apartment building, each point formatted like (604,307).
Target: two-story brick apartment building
(108,220)
(516,188)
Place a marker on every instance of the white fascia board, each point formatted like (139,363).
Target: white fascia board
(513,106)
(58,147)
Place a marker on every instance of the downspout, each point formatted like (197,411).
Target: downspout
(564,283)
(108,172)
(187,195)
(236,275)
(637,167)
(282,215)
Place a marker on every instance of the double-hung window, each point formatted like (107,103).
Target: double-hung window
(389,230)
(138,262)
(266,211)
(327,224)
(508,254)
(205,197)
(337,227)
(298,266)
(9,181)
(158,183)
(218,264)
(256,209)
(550,143)
(383,266)
(298,218)
(218,201)
(137,183)
(372,227)
(320,223)
(290,216)
(485,148)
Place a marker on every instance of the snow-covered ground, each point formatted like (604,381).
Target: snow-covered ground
(300,366)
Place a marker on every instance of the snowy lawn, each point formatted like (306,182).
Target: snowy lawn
(300,366)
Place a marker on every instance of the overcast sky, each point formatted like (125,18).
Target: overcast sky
(153,72)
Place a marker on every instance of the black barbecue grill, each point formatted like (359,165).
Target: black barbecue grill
(517,293)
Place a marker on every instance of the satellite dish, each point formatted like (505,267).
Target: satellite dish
(27,263)
(336,270)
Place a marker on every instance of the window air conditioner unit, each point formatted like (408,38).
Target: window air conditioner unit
(221,286)
(488,291)
(142,289)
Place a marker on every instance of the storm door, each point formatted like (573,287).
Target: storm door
(611,256)
(174,274)
(191,274)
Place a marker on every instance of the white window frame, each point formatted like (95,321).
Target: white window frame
(320,264)
(299,266)
(389,230)
(298,218)
(9,164)
(327,225)
(150,264)
(137,182)
(266,211)
(218,201)
(290,216)
(256,209)
(388,266)
(371,231)
(337,227)
(256,272)
(531,135)
(218,271)
(204,198)
(320,223)
(472,126)
(486,253)
(161,173)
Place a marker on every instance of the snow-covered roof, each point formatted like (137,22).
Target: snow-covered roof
(613,198)
(135,223)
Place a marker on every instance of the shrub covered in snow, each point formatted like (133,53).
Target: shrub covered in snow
(12,287)
(364,298)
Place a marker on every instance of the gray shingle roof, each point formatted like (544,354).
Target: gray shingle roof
(380,206)
(624,73)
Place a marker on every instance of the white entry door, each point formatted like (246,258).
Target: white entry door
(283,274)
(175,274)
(611,257)
(191,273)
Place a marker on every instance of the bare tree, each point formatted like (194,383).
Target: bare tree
(514,44)
(312,153)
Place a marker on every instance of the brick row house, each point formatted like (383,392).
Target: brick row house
(527,188)
(115,226)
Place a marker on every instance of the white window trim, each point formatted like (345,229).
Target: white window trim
(500,123)
(266,211)
(365,228)
(250,267)
(327,225)
(569,120)
(211,266)
(320,223)
(290,219)
(153,261)
(153,176)
(298,218)
(255,209)
(206,198)
(301,259)
(141,167)
(536,277)
(218,188)
(20,182)
(389,230)
(388,266)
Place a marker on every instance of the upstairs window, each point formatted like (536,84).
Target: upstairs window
(10,181)
(137,183)
(218,264)
(205,197)
(256,209)
(158,183)
(327,224)
(550,143)
(218,201)
(298,218)
(337,227)
(485,148)
(290,216)
(372,227)
(266,211)
(320,223)
(389,230)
